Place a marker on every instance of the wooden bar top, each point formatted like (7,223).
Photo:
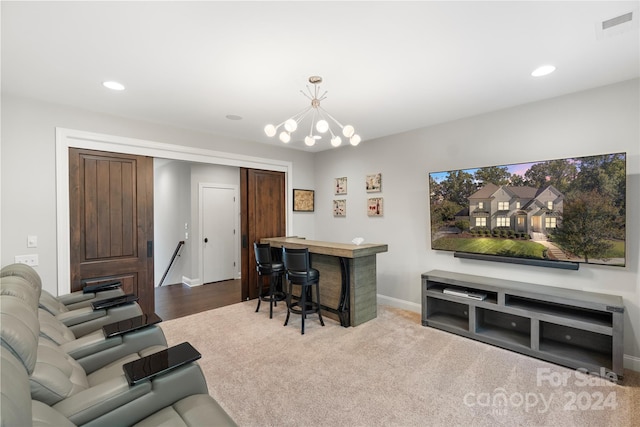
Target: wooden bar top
(344,250)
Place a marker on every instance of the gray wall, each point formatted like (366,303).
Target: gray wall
(598,121)
(172,209)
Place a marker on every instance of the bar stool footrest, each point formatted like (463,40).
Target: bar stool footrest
(310,307)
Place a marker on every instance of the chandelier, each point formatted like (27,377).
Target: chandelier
(319,121)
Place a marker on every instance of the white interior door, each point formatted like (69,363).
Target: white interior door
(219,237)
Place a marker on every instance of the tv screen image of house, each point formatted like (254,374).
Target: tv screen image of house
(569,209)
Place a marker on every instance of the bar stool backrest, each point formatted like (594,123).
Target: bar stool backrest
(263,253)
(297,264)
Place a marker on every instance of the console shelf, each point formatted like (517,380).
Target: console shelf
(581,330)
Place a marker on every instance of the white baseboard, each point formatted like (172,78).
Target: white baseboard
(630,362)
(399,303)
(191,282)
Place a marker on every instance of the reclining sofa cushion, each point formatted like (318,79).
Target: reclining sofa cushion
(20,288)
(20,329)
(24,271)
(16,396)
(56,375)
(54,330)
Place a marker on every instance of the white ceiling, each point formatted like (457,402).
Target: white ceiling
(388,67)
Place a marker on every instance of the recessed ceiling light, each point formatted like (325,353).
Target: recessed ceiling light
(543,70)
(113,85)
(233,117)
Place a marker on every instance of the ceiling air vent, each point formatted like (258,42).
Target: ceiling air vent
(617,25)
(618,20)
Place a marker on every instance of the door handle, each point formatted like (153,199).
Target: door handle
(206,240)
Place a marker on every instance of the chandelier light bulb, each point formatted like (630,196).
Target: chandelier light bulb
(285,137)
(270,130)
(322,126)
(336,141)
(309,140)
(291,125)
(348,131)
(355,140)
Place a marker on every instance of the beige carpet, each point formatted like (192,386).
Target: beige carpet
(390,371)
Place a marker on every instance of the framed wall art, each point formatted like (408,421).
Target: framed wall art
(374,206)
(373,183)
(340,207)
(340,185)
(303,200)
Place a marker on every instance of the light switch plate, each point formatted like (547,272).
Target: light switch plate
(32,241)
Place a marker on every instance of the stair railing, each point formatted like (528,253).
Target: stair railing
(176,254)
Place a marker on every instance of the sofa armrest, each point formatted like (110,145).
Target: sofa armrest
(96,401)
(114,302)
(74,298)
(159,363)
(79,299)
(110,315)
(89,344)
(130,325)
(166,389)
(105,286)
(131,343)
(80,315)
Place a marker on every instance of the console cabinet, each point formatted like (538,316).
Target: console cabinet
(580,330)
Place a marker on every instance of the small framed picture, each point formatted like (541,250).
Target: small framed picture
(373,183)
(340,185)
(340,207)
(303,200)
(374,206)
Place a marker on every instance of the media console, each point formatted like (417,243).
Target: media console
(580,330)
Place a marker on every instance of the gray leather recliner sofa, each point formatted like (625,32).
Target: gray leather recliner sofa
(93,350)
(80,317)
(42,385)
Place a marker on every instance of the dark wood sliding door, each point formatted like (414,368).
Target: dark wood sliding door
(263,214)
(111,221)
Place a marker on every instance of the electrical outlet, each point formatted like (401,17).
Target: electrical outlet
(31,260)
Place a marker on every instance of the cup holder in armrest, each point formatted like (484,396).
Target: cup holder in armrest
(160,362)
(114,302)
(132,324)
(105,286)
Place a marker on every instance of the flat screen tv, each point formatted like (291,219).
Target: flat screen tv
(556,213)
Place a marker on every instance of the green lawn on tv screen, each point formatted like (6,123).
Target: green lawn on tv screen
(491,246)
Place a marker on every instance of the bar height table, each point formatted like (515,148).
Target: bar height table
(348,287)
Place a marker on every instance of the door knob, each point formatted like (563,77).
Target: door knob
(206,240)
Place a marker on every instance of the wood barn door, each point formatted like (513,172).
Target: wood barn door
(111,221)
(263,214)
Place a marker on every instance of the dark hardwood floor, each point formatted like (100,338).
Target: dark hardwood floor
(173,301)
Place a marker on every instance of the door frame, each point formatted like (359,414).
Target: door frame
(236,224)
(67,138)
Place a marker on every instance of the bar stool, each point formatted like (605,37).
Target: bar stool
(265,266)
(300,273)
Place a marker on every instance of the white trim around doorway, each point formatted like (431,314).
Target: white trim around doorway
(70,138)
